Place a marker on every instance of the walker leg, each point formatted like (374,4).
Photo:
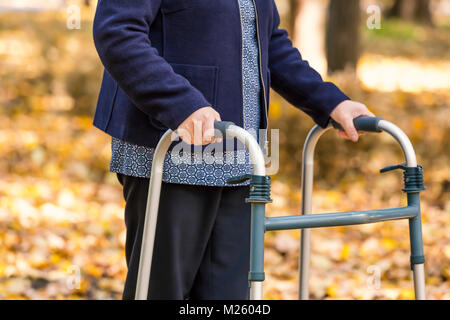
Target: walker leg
(306,208)
(304,264)
(148,241)
(417,256)
(256,272)
(255,290)
(305,246)
(151,217)
(305,240)
(419,281)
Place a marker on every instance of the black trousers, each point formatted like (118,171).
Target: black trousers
(202,241)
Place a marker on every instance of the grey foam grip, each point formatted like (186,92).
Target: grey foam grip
(222,126)
(362,123)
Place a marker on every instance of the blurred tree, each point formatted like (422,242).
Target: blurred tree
(294,6)
(342,34)
(416,10)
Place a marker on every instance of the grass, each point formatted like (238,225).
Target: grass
(403,38)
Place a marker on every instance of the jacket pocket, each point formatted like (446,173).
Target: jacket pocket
(203,78)
(173,6)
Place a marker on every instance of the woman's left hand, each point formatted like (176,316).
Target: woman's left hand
(344,113)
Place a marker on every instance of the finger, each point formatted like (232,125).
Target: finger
(217,118)
(184,135)
(368,113)
(208,131)
(350,130)
(343,135)
(197,132)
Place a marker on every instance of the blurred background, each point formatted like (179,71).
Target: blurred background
(61,211)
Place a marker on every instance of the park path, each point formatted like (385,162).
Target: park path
(31,5)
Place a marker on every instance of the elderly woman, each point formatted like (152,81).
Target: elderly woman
(183,64)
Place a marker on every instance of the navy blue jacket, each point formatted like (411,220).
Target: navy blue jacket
(164,59)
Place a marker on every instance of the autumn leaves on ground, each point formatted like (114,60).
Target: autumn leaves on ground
(61,212)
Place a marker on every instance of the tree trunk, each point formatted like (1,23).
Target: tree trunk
(423,12)
(414,10)
(342,34)
(401,9)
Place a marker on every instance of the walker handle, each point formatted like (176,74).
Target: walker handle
(222,126)
(362,123)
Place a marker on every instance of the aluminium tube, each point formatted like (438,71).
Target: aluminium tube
(151,215)
(306,208)
(415,224)
(258,209)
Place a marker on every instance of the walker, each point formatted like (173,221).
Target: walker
(260,195)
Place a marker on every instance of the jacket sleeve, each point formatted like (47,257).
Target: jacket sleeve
(296,81)
(121,36)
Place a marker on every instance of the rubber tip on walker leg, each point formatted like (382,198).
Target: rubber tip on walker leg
(256,276)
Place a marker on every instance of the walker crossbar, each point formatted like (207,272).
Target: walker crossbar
(340,219)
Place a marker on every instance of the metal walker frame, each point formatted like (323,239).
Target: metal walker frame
(260,195)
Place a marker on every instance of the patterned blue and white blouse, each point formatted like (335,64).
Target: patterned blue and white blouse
(134,160)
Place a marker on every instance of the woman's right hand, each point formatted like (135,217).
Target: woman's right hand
(198,128)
